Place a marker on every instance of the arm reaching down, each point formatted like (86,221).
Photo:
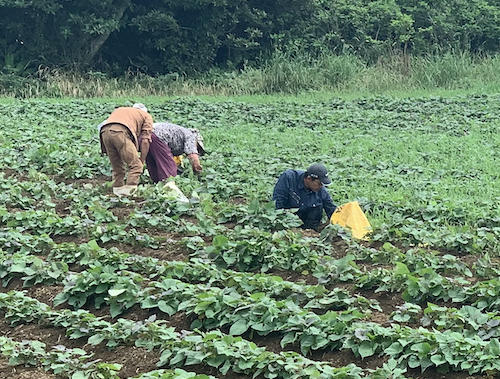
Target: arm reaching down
(195,163)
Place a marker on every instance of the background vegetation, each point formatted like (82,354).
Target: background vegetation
(60,48)
(344,75)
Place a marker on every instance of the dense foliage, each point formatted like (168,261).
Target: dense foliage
(217,286)
(164,37)
(209,285)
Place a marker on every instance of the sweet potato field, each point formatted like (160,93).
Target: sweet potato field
(224,286)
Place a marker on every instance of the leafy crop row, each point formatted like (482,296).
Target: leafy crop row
(179,349)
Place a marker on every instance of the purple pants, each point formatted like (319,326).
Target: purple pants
(160,161)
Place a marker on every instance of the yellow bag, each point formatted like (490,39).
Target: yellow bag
(351,216)
(178,160)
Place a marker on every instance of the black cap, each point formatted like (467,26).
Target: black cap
(318,171)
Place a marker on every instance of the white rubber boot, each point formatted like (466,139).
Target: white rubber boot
(118,191)
(129,190)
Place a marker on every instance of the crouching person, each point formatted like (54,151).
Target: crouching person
(306,191)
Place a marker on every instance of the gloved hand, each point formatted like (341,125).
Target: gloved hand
(195,163)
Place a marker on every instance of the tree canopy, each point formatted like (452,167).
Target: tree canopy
(186,36)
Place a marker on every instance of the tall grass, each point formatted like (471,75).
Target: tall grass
(287,73)
(284,73)
(452,71)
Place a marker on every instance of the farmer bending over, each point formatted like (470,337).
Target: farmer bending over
(169,140)
(305,191)
(119,136)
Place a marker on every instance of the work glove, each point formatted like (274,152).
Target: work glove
(195,163)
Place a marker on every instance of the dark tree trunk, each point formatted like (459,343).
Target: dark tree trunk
(96,44)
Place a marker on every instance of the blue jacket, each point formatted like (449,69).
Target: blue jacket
(290,192)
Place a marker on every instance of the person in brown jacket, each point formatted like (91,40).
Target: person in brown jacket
(120,135)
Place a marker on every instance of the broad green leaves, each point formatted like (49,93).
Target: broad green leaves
(238,272)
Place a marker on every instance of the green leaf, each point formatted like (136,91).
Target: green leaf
(438,359)
(254,207)
(401,269)
(93,245)
(394,349)
(258,295)
(422,348)
(220,241)
(61,298)
(96,339)
(287,339)
(79,375)
(466,365)
(413,362)
(494,347)
(15,361)
(366,349)
(179,357)
(238,328)
(114,293)
(101,288)
(115,309)
(149,302)
(166,308)
(18,267)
